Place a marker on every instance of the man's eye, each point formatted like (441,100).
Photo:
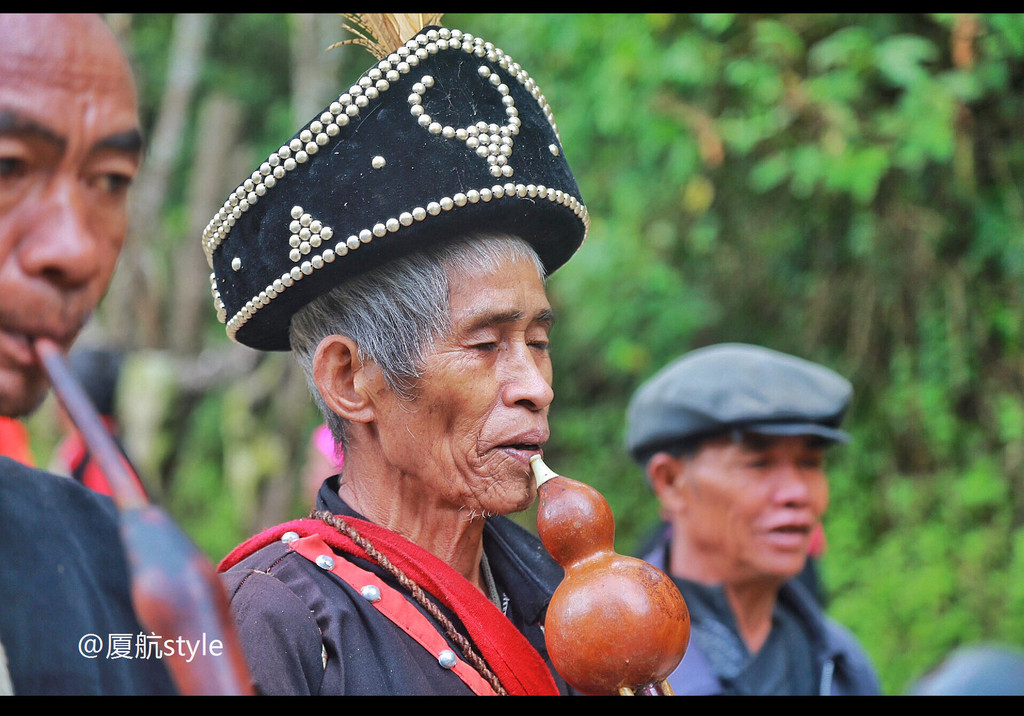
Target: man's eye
(114,183)
(11,167)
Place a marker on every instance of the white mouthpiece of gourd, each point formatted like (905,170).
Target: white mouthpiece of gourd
(542,472)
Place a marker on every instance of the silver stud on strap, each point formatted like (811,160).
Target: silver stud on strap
(447,659)
(370,593)
(325,562)
(289,537)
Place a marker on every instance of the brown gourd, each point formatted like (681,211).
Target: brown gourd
(615,624)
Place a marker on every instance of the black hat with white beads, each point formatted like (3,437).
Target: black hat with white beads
(445,137)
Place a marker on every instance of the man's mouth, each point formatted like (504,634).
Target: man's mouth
(17,347)
(795,536)
(524,446)
(521,451)
(793,529)
(18,337)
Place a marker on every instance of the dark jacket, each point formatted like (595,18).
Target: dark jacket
(63,577)
(306,632)
(843,669)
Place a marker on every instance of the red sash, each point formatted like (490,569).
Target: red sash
(521,670)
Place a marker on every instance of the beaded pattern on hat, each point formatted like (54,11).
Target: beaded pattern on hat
(490,142)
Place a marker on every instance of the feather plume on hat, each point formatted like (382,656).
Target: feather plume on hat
(382,32)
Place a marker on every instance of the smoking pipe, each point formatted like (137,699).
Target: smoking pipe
(615,624)
(174,588)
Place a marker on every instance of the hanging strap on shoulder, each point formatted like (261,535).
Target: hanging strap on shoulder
(396,608)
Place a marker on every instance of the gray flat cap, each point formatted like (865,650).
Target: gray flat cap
(719,388)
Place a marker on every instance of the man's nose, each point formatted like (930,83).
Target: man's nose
(529,381)
(793,484)
(60,244)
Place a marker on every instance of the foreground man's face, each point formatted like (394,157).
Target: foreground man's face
(69,148)
(482,406)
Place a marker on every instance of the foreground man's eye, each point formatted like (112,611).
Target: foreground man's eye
(11,168)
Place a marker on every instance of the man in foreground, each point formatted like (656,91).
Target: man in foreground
(69,148)
(398,245)
(732,439)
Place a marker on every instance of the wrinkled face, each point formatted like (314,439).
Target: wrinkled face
(69,148)
(749,507)
(481,409)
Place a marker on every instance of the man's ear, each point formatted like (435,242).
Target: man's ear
(341,378)
(664,472)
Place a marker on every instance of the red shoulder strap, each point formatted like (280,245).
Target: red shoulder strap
(519,667)
(395,607)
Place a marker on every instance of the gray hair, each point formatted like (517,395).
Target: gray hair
(396,312)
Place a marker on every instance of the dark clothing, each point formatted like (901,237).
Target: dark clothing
(64,575)
(805,653)
(305,631)
(783,666)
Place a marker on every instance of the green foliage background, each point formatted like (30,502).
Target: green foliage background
(846,188)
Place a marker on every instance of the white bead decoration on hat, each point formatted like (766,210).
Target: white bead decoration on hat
(487,141)
(309,244)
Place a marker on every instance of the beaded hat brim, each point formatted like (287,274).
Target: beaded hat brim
(446,137)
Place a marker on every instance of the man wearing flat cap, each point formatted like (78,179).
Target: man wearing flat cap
(398,246)
(732,438)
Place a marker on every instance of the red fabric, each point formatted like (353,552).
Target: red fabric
(73,452)
(399,610)
(521,670)
(816,547)
(14,442)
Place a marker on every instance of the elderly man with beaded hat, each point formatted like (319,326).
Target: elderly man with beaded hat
(398,246)
(732,439)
